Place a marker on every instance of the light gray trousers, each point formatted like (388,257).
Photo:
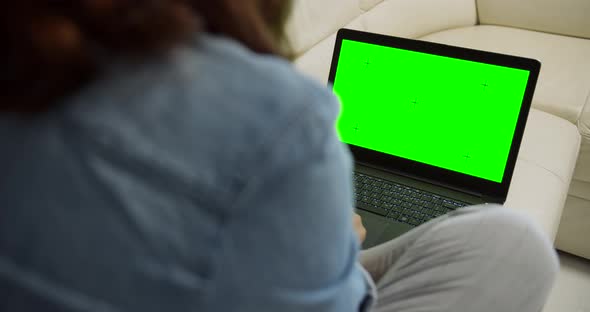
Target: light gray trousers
(477,259)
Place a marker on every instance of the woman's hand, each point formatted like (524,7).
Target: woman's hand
(359,228)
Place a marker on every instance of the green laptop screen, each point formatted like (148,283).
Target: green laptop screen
(450,113)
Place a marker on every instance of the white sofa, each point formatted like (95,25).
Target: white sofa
(556,32)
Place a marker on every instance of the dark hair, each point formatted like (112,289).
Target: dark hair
(52,48)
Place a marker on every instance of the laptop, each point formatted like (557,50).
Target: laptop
(432,127)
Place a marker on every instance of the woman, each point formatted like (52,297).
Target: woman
(164,156)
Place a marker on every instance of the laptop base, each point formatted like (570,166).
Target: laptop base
(381,228)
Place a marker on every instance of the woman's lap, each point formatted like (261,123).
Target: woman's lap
(482,258)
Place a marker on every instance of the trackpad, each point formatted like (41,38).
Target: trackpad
(375,226)
(380,229)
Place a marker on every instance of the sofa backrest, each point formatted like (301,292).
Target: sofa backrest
(417,18)
(565,17)
(315,20)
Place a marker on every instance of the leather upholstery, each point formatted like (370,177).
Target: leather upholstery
(565,17)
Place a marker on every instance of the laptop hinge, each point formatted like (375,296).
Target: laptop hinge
(493,200)
(486,199)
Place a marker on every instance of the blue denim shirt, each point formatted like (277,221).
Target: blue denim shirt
(208,179)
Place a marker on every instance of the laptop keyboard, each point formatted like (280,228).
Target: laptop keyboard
(399,202)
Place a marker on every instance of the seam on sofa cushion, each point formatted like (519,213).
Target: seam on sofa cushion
(366,8)
(544,168)
(584,125)
(477,21)
(421,37)
(579,189)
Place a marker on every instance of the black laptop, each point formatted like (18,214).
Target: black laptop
(432,127)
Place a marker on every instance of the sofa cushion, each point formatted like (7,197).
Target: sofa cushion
(566,17)
(316,62)
(581,183)
(575,227)
(564,83)
(312,21)
(544,169)
(551,143)
(418,17)
(366,5)
(539,194)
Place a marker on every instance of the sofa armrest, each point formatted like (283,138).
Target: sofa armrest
(565,17)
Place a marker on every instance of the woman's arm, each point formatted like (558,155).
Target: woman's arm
(293,246)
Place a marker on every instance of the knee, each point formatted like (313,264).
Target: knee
(498,256)
(519,243)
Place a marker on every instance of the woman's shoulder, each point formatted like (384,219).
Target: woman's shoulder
(210,108)
(267,83)
(213,80)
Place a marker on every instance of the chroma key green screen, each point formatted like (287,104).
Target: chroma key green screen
(449,113)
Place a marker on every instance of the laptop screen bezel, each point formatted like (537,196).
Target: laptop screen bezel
(481,187)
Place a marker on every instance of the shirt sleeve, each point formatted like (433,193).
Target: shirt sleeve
(292,245)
